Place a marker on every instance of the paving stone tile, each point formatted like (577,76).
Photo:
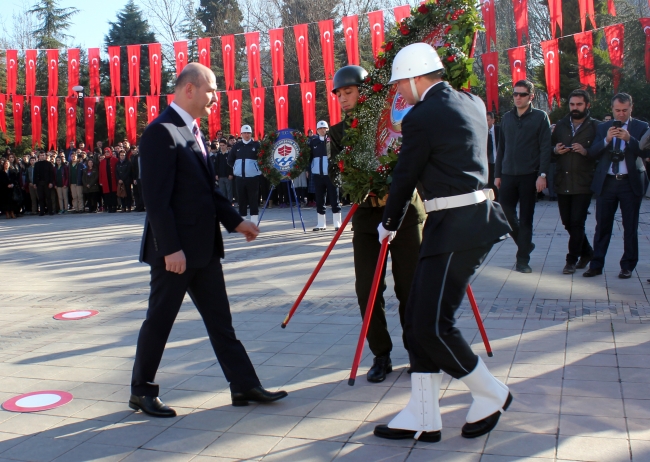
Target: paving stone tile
(265,424)
(39,449)
(324,429)
(299,450)
(520,444)
(590,448)
(182,440)
(238,446)
(362,453)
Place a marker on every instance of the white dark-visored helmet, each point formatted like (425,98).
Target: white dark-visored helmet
(413,61)
(321,124)
(246,129)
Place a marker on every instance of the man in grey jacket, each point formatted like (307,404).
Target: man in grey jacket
(523,157)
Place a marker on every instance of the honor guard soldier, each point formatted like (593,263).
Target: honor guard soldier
(320,153)
(444,150)
(243,158)
(403,252)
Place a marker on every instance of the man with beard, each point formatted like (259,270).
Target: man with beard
(574,172)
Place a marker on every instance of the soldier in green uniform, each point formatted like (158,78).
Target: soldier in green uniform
(404,249)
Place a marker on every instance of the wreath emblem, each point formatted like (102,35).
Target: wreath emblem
(283,159)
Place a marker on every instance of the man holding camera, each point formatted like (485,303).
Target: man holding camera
(620,177)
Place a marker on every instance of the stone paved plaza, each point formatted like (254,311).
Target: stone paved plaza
(575,352)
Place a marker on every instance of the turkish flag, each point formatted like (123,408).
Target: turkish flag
(611,8)
(133,52)
(253,53)
(376,19)
(203,47)
(18,117)
(645,23)
(257,98)
(110,106)
(3,120)
(37,121)
(333,106)
(281,96)
(30,72)
(326,29)
(52,121)
(180,52)
(308,91)
(277,55)
(89,121)
(71,120)
(351,31)
(93,72)
(131,115)
(614,35)
(302,50)
(153,103)
(489,19)
(587,9)
(491,69)
(552,70)
(521,19)
(228,50)
(234,105)
(586,70)
(170,99)
(402,12)
(214,119)
(114,69)
(53,72)
(12,71)
(155,69)
(73,69)
(517,58)
(555,11)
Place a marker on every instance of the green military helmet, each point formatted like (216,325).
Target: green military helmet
(348,76)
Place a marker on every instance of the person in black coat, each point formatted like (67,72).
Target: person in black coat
(444,150)
(183,245)
(44,180)
(620,177)
(135,173)
(124,173)
(494,132)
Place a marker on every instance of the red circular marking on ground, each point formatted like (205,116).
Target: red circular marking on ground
(75,315)
(37,401)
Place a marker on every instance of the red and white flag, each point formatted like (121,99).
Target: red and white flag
(257,98)
(281,96)
(155,67)
(517,58)
(235,106)
(614,35)
(131,115)
(52,121)
(93,72)
(586,8)
(30,72)
(586,70)
(253,54)
(376,20)
(228,50)
(308,91)
(302,50)
(489,19)
(110,103)
(214,119)
(71,119)
(333,106)
(351,33)
(326,29)
(491,70)
(552,71)
(203,48)
(645,23)
(53,72)
(277,55)
(89,121)
(153,104)
(12,71)
(133,52)
(180,53)
(3,119)
(18,102)
(401,12)
(114,70)
(73,70)
(521,20)
(37,121)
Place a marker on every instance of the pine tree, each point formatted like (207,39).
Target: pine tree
(54,21)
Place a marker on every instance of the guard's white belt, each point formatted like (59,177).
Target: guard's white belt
(462,200)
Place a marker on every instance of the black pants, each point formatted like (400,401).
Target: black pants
(615,192)
(404,251)
(324,186)
(93,198)
(248,192)
(44,197)
(573,212)
(439,287)
(207,289)
(110,202)
(520,189)
(127,201)
(137,197)
(491,182)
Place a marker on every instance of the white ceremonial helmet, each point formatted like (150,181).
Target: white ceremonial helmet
(321,124)
(415,60)
(246,129)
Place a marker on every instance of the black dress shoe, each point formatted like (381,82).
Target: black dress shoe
(569,268)
(591,272)
(381,366)
(625,274)
(151,405)
(382,431)
(524,268)
(583,262)
(257,394)
(483,426)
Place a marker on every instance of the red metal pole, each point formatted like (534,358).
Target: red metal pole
(479,321)
(320,264)
(369,307)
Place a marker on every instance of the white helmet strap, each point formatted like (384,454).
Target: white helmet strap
(414,90)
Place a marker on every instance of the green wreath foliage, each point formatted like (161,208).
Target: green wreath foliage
(265,158)
(364,171)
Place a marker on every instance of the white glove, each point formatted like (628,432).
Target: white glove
(384,233)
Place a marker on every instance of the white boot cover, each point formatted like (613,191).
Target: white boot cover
(489,394)
(321,222)
(422,413)
(336,218)
(254,219)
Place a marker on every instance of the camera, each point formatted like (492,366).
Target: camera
(617,155)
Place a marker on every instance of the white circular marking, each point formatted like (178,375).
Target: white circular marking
(44,399)
(76,314)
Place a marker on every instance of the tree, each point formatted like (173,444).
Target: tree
(220,17)
(54,21)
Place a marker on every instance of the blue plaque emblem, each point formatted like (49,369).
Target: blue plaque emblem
(285,151)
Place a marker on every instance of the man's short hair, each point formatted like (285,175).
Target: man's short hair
(490,113)
(223,140)
(525,83)
(190,74)
(435,75)
(581,94)
(622,98)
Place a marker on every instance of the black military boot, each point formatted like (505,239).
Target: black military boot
(381,366)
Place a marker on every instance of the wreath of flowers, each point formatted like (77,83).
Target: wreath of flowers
(363,171)
(265,158)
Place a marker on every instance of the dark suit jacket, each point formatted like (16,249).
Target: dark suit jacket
(444,148)
(183,206)
(633,157)
(497,135)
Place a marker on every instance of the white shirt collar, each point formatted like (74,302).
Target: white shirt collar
(187,118)
(246,142)
(427,90)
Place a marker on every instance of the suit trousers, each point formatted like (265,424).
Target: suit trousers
(520,189)
(33,195)
(77,197)
(491,182)
(573,212)
(225,186)
(207,288)
(404,253)
(248,191)
(615,192)
(439,287)
(44,197)
(137,198)
(324,186)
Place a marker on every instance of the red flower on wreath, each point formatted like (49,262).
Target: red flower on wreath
(355,123)
(404,29)
(423,9)
(377,87)
(451,59)
(362,99)
(381,62)
(447,29)
(388,46)
(341,164)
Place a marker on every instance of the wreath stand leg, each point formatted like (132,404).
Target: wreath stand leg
(293,220)
(295,196)
(259,220)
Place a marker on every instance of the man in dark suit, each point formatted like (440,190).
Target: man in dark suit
(494,131)
(182,243)
(444,150)
(620,177)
